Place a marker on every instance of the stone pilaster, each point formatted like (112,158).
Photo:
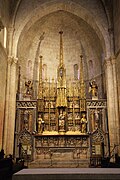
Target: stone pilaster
(7,102)
(117,124)
(111,107)
(10,39)
(110,99)
(12,108)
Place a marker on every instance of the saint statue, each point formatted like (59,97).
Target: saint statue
(94,120)
(40,124)
(94,90)
(96,116)
(29,88)
(83,123)
(62,121)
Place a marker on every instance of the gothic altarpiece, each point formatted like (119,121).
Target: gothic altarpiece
(61,119)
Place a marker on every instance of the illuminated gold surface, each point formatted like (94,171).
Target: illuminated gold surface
(61,102)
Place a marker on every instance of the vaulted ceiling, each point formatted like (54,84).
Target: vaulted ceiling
(85,24)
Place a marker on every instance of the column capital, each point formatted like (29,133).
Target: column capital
(10,29)
(14,60)
(107,62)
(113,61)
(110,30)
(110,60)
(9,60)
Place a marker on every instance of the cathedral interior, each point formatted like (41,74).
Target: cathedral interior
(60,95)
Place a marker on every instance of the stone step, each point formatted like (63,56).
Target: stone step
(61,163)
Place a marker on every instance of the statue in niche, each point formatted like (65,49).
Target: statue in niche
(94,119)
(96,115)
(26,116)
(76,104)
(70,116)
(62,120)
(52,104)
(40,124)
(83,123)
(29,88)
(46,104)
(75,71)
(77,116)
(71,104)
(94,90)
(61,72)
(52,116)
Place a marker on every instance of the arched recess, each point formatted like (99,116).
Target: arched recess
(25,143)
(68,6)
(79,38)
(74,8)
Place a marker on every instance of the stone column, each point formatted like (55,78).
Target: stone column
(12,108)
(10,39)
(9,61)
(111,102)
(117,125)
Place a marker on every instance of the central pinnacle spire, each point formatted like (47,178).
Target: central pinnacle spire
(61,48)
(61,100)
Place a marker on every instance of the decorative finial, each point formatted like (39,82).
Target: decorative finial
(61,32)
(81,56)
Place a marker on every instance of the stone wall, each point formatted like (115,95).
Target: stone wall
(118,78)
(116,13)
(4,19)
(4,14)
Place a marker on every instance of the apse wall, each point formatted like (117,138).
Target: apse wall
(4,11)
(78,38)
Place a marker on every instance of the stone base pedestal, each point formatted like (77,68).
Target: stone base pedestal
(68,174)
(27,97)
